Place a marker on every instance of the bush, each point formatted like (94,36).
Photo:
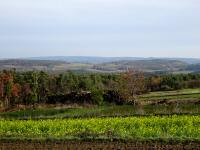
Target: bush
(97,96)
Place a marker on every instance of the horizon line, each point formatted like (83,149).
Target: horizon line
(95,56)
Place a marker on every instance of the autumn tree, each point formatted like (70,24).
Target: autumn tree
(6,86)
(26,93)
(1,91)
(16,90)
(131,84)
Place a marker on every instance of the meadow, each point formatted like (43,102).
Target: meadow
(103,111)
(182,94)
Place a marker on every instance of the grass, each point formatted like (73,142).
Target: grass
(31,113)
(175,92)
(130,128)
(173,97)
(103,111)
(183,94)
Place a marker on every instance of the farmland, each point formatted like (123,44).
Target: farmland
(162,119)
(174,127)
(141,132)
(79,145)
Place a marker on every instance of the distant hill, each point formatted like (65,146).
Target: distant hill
(87,59)
(27,65)
(101,64)
(143,65)
(99,60)
(26,62)
(187,60)
(193,67)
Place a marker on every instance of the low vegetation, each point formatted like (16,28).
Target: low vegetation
(103,111)
(131,128)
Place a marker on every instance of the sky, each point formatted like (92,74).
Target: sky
(137,28)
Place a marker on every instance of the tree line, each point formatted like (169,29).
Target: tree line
(173,82)
(30,88)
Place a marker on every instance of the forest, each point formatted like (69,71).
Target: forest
(30,88)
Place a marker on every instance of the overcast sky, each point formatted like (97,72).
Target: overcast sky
(145,28)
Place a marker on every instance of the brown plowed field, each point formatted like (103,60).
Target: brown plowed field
(99,145)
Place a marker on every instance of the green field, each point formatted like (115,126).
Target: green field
(130,128)
(104,111)
(166,122)
(184,94)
